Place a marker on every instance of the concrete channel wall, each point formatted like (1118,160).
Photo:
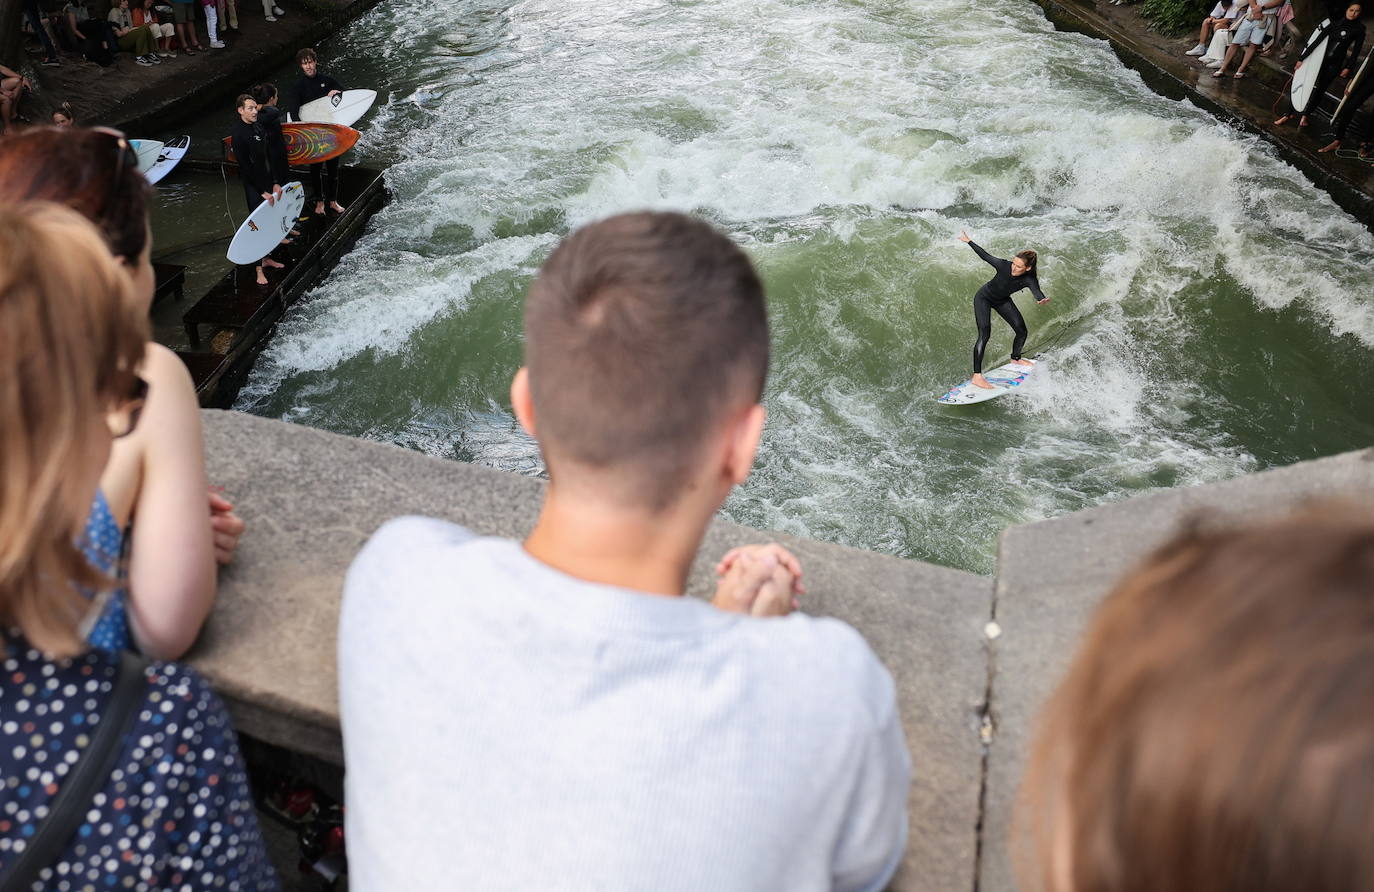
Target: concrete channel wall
(312,498)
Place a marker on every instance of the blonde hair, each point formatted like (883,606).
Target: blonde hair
(1214,731)
(71,336)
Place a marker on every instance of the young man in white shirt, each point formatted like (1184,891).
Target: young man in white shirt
(555,714)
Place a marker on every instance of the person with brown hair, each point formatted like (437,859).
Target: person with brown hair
(118,770)
(995,294)
(614,732)
(315,84)
(1214,731)
(153,497)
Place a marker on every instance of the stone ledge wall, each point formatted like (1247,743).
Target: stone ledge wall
(312,498)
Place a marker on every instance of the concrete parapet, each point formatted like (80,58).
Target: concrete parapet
(1050,576)
(311,498)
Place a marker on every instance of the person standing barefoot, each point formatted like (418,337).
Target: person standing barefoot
(1012,276)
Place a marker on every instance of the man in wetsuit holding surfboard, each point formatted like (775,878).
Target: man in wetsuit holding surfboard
(315,84)
(254,157)
(1012,275)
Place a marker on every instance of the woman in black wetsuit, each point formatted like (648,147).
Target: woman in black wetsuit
(1012,276)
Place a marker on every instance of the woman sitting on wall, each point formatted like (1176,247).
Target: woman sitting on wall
(118,771)
(152,501)
(1214,731)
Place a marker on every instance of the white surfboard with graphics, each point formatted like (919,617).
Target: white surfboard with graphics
(1006,379)
(267,226)
(342,108)
(147,151)
(1305,78)
(171,155)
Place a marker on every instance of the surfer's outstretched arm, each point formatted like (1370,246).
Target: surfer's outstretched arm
(987,258)
(1034,286)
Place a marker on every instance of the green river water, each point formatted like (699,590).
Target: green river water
(1210,316)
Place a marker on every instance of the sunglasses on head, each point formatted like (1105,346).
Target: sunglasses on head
(124,156)
(124,419)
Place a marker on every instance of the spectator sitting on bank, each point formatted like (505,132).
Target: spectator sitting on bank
(1250,34)
(64,116)
(1289,34)
(154,484)
(13,86)
(95,37)
(184,15)
(692,745)
(1223,14)
(1214,730)
(169,787)
(146,14)
(1344,40)
(136,39)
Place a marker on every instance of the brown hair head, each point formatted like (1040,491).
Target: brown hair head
(71,334)
(244,99)
(642,332)
(85,170)
(1216,728)
(1028,257)
(306,55)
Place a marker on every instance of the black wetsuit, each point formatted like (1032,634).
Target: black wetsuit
(1344,40)
(255,163)
(996,295)
(270,117)
(1364,88)
(324,177)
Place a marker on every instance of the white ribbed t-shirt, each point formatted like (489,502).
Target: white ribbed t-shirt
(507,726)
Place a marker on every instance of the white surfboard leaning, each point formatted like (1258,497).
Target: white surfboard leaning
(1005,379)
(147,151)
(1305,78)
(171,155)
(343,108)
(267,226)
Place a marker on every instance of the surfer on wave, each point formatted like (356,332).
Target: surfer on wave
(1012,276)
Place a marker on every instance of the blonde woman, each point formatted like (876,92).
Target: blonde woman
(120,771)
(1215,729)
(153,500)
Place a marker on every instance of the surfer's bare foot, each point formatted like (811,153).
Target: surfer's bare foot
(262,277)
(336,207)
(1330,147)
(1023,362)
(1283,120)
(319,209)
(980,381)
(269,262)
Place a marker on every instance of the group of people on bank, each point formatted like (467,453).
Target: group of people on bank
(554,712)
(260,145)
(1243,26)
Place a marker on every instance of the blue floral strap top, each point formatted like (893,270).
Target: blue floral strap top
(103,545)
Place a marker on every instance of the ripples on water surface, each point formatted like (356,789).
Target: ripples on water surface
(1210,308)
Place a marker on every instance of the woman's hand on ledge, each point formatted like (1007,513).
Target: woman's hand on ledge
(227,527)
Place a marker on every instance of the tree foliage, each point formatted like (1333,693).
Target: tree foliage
(1175,16)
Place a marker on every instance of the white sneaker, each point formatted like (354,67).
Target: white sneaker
(217,44)
(1196,51)
(271,18)
(277,10)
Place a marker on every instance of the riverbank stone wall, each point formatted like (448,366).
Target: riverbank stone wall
(312,498)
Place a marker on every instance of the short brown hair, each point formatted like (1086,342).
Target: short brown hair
(244,99)
(642,332)
(1216,728)
(81,169)
(1029,258)
(306,55)
(72,331)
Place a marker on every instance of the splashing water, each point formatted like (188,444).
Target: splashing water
(1209,316)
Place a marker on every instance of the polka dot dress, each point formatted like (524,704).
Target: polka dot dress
(103,544)
(175,812)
